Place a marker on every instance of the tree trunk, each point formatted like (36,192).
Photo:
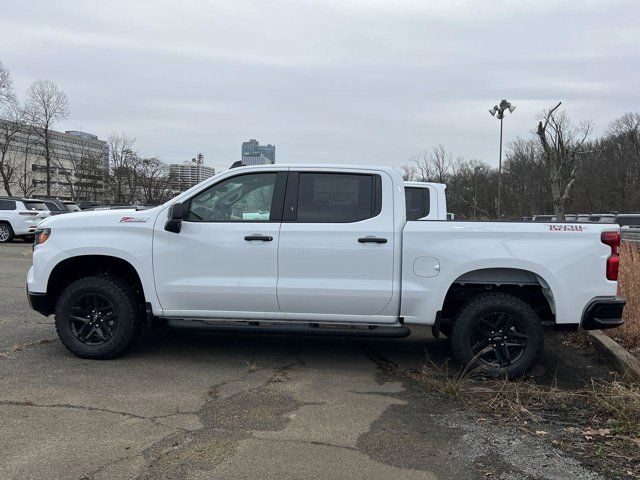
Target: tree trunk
(5,178)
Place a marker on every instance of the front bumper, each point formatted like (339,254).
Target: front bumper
(39,302)
(603,313)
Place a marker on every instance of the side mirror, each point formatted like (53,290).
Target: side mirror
(176,215)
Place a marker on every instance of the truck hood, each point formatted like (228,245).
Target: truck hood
(101,218)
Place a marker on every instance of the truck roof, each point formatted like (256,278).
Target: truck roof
(280,166)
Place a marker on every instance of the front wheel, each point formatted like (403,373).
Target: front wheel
(98,317)
(499,333)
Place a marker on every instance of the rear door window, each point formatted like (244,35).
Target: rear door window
(7,205)
(338,197)
(417,202)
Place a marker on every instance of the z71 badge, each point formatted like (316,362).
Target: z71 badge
(134,219)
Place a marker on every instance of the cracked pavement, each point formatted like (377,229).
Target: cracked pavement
(188,405)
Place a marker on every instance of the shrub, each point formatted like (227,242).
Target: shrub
(629,286)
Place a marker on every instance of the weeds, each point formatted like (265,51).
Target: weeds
(629,285)
(602,418)
(279,376)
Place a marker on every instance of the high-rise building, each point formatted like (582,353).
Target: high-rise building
(187,174)
(255,154)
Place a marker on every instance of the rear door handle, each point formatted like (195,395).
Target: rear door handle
(261,238)
(372,240)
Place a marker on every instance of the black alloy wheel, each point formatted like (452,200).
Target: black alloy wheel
(99,316)
(498,332)
(92,319)
(497,339)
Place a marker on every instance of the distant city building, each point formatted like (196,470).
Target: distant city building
(255,154)
(79,163)
(187,174)
(89,137)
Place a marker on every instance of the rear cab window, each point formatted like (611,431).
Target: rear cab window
(417,202)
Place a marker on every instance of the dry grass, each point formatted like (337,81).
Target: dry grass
(601,420)
(251,366)
(629,286)
(23,346)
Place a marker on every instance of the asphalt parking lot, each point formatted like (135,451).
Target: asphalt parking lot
(192,405)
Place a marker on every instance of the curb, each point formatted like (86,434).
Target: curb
(622,360)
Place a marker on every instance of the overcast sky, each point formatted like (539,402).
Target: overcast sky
(347,81)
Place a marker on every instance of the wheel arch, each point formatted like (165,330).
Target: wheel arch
(523,283)
(70,269)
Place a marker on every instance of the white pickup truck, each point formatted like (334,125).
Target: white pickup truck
(329,249)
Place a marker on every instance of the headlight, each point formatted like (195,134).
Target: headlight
(41,235)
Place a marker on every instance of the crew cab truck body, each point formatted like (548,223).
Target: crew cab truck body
(321,246)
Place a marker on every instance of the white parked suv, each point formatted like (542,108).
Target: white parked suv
(328,249)
(19,217)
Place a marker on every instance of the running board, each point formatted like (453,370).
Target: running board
(295,329)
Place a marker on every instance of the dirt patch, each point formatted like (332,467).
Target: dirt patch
(578,408)
(436,431)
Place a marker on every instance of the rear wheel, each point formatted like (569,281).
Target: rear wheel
(6,233)
(98,317)
(499,333)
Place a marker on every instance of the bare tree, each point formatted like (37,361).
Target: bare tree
(562,145)
(26,180)
(122,159)
(82,172)
(11,126)
(434,166)
(409,173)
(441,161)
(7,94)
(47,105)
(153,179)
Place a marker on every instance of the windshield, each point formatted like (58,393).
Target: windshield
(36,206)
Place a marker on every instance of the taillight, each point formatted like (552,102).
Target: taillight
(613,262)
(41,235)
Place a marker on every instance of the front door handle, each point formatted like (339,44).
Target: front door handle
(261,238)
(372,240)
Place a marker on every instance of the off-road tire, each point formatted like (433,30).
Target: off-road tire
(126,303)
(527,321)
(7,228)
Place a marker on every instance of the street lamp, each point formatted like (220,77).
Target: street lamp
(499,110)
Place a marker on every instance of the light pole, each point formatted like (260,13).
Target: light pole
(499,110)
